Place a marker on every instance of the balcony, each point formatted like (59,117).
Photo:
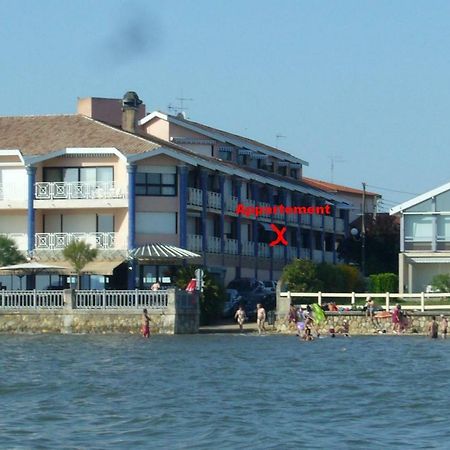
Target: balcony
(248,248)
(115,194)
(317,220)
(194,242)
(214,244)
(231,246)
(58,241)
(214,200)
(340,225)
(20,239)
(231,204)
(195,197)
(328,223)
(278,252)
(263,250)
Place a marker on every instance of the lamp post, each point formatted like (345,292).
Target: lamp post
(362,238)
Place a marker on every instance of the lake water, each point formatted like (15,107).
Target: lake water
(223,392)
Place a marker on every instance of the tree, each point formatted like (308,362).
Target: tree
(382,245)
(211,299)
(301,276)
(441,282)
(9,253)
(79,253)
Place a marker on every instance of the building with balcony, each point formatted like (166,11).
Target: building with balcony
(424,238)
(119,179)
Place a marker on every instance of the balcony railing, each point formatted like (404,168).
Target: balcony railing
(195,197)
(82,190)
(214,244)
(340,225)
(278,252)
(56,241)
(231,246)
(19,238)
(248,248)
(194,242)
(214,200)
(231,204)
(263,250)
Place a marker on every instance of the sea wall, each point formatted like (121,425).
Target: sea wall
(181,316)
(360,324)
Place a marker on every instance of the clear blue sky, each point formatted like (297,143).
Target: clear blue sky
(365,81)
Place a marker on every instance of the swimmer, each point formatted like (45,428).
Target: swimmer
(433,328)
(260,318)
(444,326)
(345,328)
(145,330)
(240,317)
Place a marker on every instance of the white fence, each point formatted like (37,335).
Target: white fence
(31,299)
(121,299)
(389,300)
(61,240)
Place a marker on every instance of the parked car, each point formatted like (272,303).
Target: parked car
(232,303)
(252,292)
(271,286)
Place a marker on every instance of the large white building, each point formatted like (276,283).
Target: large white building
(120,179)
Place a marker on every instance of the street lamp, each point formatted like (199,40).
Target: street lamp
(355,232)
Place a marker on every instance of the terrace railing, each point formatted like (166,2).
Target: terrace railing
(137,299)
(55,241)
(81,190)
(31,299)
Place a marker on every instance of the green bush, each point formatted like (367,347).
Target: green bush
(301,276)
(383,282)
(352,278)
(441,282)
(211,299)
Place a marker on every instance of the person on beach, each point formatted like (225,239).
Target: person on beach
(396,319)
(444,326)
(155,286)
(345,329)
(145,330)
(240,317)
(292,315)
(260,318)
(433,328)
(369,307)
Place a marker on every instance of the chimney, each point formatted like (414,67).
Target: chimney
(130,105)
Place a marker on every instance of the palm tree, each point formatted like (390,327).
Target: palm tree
(79,253)
(9,253)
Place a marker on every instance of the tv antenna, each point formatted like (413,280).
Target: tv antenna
(180,106)
(278,136)
(334,159)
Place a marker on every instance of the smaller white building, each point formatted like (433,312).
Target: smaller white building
(424,238)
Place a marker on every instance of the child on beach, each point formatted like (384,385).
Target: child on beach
(240,317)
(444,326)
(145,330)
(260,318)
(433,328)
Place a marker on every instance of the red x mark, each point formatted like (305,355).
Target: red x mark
(279,237)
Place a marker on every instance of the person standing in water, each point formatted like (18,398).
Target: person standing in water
(145,330)
(260,318)
(444,326)
(240,317)
(433,328)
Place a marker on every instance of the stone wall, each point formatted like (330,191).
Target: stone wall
(180,317)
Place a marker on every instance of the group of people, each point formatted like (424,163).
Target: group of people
(434,327)
(241,318)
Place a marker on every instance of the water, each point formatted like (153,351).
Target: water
(223,392)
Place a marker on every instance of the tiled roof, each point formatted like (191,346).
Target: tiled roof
(226,134)
(36,135)
(331,187)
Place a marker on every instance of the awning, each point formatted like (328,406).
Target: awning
(259,156)
(162,252)
(92,268)
(244,151)
(430,260)
(266,226)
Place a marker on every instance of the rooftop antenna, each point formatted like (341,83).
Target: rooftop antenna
(278,136)
(334,159)
(180,107)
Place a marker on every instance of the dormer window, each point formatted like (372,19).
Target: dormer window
(294,173)
(226,153)
(282,170)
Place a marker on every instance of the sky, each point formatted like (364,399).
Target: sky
(365,84)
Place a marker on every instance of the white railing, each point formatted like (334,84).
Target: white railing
(340,225)
(19,238)
(195,197)
(248,248)
(80,190)
(31,299)
(263,250)
(194,242)
(278,216)
(389,300)
(265,205)
(328,223)
(53,241)
(305,219)
(231,204)
(329,257)
(292,218)
(214,244)
(317,220)
(278,252)
(231,246)
(214,200)
(121,299)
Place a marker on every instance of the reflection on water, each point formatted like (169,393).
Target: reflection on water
(227,392)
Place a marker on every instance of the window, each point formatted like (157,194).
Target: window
(105,223)
(243,159)
(156,222)
(78,174)
(418,228)
(282,170)
(157,184)
(293,173)
(226,155)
